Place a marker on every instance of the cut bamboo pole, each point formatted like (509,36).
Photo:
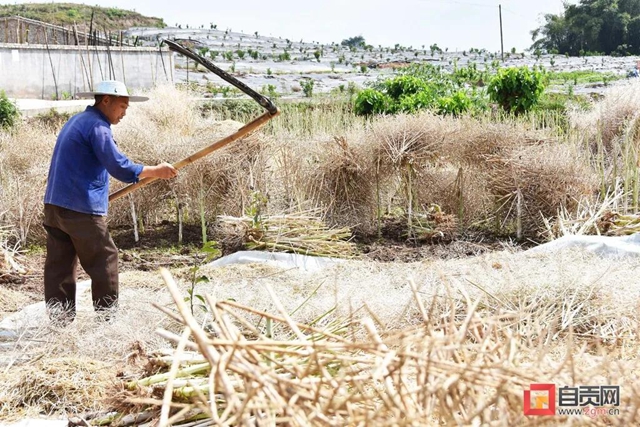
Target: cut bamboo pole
(243,131)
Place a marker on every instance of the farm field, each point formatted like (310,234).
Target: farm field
(430,308)
(282,63)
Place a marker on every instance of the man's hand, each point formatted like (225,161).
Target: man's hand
(163,171)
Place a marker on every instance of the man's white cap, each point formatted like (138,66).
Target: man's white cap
(114,88)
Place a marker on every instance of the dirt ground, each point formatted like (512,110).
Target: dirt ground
(158,247)
(58,372)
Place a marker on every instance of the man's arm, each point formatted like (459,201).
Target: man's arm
(163,171)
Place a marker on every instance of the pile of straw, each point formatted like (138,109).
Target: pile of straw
(567,318)
(429,226)
(342,179)
(304,233)
(600,128)
(10,265)
(602,218)
(170,128)
(617,224)
(55,385)
(532,183)
(459,367)
(24,163)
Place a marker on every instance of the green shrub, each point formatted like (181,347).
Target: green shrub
(371,101)
(424,86)
(9,112)
(404,86)
(516,90)
(307,87)
(456,105)
(415,102)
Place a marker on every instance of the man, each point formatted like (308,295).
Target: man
(77,198)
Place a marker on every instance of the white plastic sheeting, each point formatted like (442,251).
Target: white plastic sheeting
(276,259)
(35,315)
(606,246)
(34,422)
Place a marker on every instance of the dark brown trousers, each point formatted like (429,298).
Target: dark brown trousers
(73,236)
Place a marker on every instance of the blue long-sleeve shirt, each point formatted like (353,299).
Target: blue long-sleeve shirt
(84,156)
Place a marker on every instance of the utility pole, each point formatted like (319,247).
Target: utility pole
(501,38)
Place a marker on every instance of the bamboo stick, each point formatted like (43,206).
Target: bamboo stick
(243,131)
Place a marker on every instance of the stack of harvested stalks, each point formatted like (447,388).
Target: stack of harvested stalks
(462,369)
(531,183)
(596,217)
(609,223)
(617,224)
(304,233)
(429,226)
(343,180)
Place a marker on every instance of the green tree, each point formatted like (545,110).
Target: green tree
(591,26)
(355,42)
(516,89)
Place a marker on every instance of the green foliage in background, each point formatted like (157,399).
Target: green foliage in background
(608,26)
(456,105)
(66,14)
(357,41)
(307,87)
(371,101)
(9,113)
(516,89)
(425,87)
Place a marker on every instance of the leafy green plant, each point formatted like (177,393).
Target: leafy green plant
(307,87)
(74,14)
(516,89)
(420,87)
(285,56)
(371,101)
(211,251)
(254,210)
(9,112)
(455,105)
(404,85)
(270,91)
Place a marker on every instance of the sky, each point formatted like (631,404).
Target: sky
(454,24)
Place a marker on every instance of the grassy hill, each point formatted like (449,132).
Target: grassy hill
(66,14)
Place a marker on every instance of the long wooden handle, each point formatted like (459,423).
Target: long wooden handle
(243,131)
